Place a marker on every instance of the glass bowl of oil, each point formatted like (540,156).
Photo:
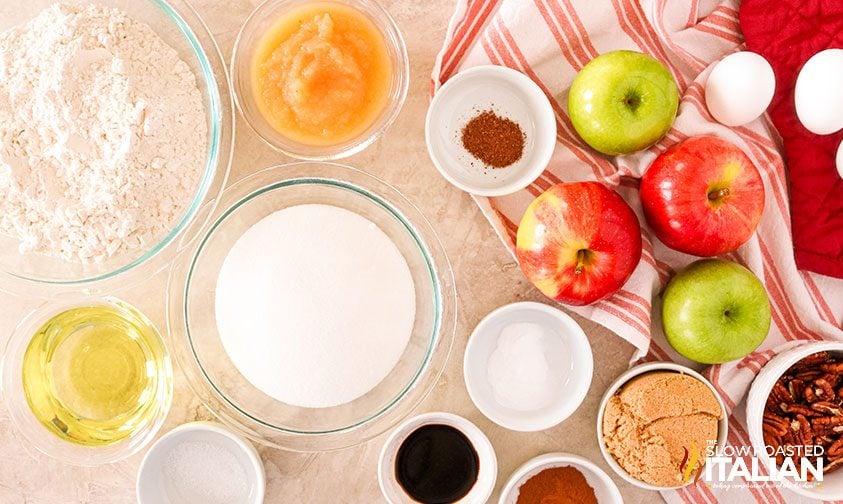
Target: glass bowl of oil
(87,381)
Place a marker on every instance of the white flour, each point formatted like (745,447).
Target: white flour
(103,134)
(315,305)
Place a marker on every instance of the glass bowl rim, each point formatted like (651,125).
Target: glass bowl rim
(217,160)
(366,138)
(379,201)
(440,344)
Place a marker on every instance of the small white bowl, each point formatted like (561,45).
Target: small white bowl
(153,483)
(604,488)
(832,484)
(510,94)
(488,462)
(482,344)
(722,431)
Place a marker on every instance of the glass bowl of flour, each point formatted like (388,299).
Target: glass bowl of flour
(116,133)
(316,312)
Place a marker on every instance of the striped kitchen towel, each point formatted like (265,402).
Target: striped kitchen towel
(550,41)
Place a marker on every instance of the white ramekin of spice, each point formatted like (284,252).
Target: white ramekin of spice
(490,130)
(800,389)
(560,475)
(201,462)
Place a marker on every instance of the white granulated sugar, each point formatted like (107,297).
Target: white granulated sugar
(315,305)
(202,472)
(103,134)
(528,367)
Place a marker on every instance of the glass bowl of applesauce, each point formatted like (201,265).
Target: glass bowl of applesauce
(320,80)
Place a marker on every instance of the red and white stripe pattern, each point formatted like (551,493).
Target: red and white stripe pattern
(550,41)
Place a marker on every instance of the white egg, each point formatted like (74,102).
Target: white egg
(840,160)
(819,92)
(739,88)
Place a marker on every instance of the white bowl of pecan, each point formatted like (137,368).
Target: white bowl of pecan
(795,408)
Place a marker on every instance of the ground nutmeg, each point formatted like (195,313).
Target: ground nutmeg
(494,140)
(557,485)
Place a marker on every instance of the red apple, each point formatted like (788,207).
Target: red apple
(578,242)
(703,196)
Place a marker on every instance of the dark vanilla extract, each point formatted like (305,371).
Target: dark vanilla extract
(436,464)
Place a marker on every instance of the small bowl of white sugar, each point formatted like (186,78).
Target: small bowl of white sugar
(528,366)
(201,462)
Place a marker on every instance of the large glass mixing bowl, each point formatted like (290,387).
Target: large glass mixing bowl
(198,349)
(178,24)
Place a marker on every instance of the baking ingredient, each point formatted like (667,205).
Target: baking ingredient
(805,408)
(578,242)
(321,74)
(94,374)
(715,311)
(436,464)
(658,423)
(622,102)
(315,305)
(557,485)
(103,134)
(495,140)
(202,471)
(818,96)
(703,196)
(739,88)
(528,367)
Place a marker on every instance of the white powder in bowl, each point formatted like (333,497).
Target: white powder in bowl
(103,134)
(528,368)
(315,305)
(202,472)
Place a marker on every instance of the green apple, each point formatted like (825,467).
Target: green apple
(622,102)
(715,311)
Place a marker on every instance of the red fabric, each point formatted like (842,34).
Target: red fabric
(787,33)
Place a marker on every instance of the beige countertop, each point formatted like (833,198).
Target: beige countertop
(486,277)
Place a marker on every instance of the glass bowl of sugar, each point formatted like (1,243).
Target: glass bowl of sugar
(117,140)
(317,310)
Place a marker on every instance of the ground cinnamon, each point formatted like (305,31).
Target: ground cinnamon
(494,140)
(557,485)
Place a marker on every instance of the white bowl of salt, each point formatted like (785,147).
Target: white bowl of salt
(201,462)
(528,366)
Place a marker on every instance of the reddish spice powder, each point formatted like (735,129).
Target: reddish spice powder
(496,141)
(558,485)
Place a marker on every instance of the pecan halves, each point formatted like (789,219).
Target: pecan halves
(811,361)
(805,408)
(823,389)
(796,387)
(781,393)
(832,367)
(832,466)
(835,450)
(804,433)
(800,409)
(826,408)
(776,424)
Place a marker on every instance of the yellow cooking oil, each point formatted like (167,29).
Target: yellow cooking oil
(93,375)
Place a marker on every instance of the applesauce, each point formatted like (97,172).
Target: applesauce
(321,74)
